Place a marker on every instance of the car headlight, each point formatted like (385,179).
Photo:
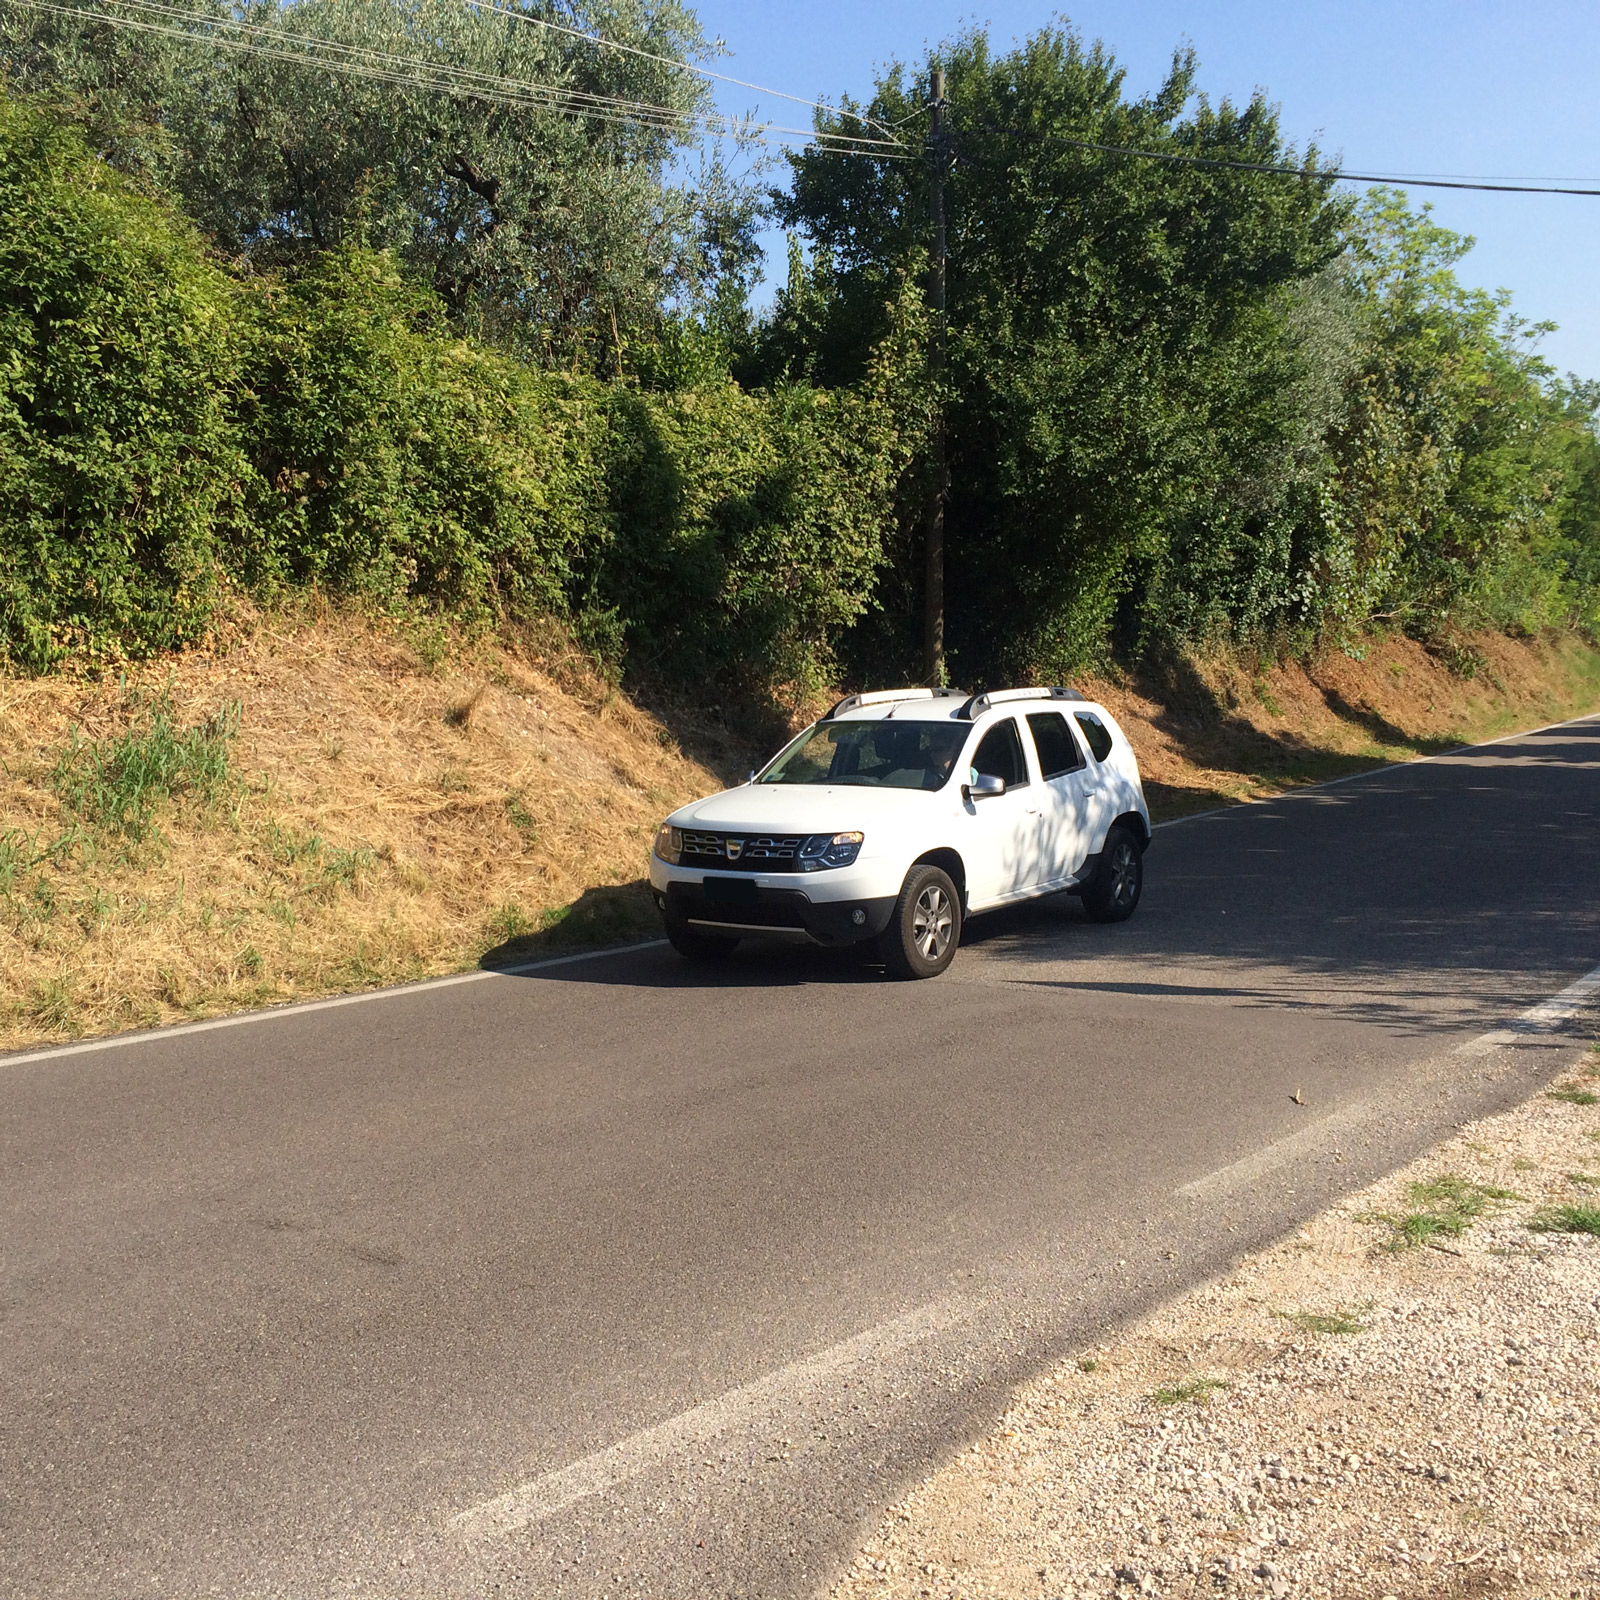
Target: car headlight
(669,843)
(823,850)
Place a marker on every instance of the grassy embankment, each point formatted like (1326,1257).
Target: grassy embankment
(315,808)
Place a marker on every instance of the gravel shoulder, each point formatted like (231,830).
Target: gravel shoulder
(1377,1406)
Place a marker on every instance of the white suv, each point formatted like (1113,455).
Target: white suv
(900,813)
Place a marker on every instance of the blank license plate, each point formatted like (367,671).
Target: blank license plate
(731,891)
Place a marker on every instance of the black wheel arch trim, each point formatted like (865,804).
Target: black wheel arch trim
(1136,825)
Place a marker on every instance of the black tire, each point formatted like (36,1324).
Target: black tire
(693,945)
(925,930)
(1112,895)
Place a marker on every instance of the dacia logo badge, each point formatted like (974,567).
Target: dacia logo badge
(735,849)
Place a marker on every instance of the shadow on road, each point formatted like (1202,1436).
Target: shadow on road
(1424,898)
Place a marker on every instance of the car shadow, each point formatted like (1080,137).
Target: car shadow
(1428,898)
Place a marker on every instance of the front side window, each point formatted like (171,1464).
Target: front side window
(887,754)
(1000,756)
(1052,738)
(1094,730)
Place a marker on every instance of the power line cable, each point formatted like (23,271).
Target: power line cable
(683,66)
(1329,175)
(448,78)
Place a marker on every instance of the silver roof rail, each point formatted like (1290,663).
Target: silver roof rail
(883,697)
(979,703)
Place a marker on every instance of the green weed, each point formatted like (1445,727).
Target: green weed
(1088,1364)
(1568,1219)
(52,1005)
(117,785)
(1446,1207)
(1195,1391)
(520,818)
(342,870)
(327,868)
(1264,695)
(507,923)
(1323,1322)
(1575,1096)
(18,857)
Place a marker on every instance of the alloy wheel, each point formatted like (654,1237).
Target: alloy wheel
(1124,873)
(932,922)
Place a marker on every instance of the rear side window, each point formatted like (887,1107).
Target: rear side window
(1094,730)
(1052,738)
(1000,755)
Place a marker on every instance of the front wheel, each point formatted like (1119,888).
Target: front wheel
(923,933)
(1113,892)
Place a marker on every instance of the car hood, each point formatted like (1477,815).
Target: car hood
(804,808)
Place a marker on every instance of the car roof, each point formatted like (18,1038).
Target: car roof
(947,705)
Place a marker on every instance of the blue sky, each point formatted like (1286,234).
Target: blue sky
(1405,86)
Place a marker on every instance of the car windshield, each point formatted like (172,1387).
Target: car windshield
(886,754)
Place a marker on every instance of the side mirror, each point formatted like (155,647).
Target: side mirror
(983,786)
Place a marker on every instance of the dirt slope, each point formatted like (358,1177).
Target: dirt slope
(385,814)
(382,822)
(1228,728)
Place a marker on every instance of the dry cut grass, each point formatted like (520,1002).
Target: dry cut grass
(315,807)
(1232,727)
(374,821)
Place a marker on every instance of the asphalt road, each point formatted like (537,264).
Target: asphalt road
(625,1277)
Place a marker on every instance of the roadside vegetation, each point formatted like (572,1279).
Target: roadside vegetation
(317,802)
(409,409)
(269,329)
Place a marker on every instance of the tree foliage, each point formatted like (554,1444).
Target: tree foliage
(508,164)
(1179,397)
(118,358)
(166,429)
(274,324)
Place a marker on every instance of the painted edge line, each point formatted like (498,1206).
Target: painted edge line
(1281,1151)
(1371,772)
(554,1491)
(1541,1019)
(296,1008)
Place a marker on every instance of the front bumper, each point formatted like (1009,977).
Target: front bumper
(730,904)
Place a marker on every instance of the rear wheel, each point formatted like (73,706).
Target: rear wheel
(694,945)
(1113,892)
(923,933)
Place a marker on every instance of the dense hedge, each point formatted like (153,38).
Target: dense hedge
(166,428)
(1357,441)
(120,358)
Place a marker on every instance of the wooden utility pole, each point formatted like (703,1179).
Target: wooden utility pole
(939,486)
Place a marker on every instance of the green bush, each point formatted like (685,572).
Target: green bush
(119,357)
(166,429)
(395,461)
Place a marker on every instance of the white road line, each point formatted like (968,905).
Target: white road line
(299,1008)
(1543,1018)
(1279,1153)
(683,1436)
(1370,772)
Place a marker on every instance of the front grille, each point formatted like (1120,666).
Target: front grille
(756,852)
